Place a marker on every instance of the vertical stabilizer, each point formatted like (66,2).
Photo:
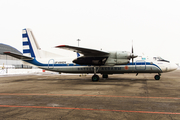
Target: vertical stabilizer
(30,45)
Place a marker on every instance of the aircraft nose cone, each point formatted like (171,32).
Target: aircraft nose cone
(173,67)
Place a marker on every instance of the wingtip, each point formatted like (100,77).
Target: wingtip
(60,46)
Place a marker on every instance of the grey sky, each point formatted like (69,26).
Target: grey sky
(153,25)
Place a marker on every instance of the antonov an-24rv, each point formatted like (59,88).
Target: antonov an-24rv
(92,61)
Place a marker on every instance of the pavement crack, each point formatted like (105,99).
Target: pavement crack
(146,88)
(74,107)
(171,117)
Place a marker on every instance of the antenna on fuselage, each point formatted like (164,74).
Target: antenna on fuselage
(78,41)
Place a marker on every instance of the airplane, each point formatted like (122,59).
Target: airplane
(93,61)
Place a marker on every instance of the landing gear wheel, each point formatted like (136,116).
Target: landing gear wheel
(95,78)
(157,77)
(105,76)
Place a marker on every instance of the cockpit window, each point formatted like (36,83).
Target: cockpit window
(160,59)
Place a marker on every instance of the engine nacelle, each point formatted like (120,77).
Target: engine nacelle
(123,55)
(118,58)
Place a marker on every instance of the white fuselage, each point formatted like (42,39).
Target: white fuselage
(139,66)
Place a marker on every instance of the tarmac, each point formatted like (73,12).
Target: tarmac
(71,97)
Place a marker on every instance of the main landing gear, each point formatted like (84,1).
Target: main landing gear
(157,77)
(95,77)
(105,75)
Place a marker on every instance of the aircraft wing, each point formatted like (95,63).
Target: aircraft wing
(84,51)
(18,56)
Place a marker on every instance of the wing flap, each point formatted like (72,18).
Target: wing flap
(84,51)
(18,56)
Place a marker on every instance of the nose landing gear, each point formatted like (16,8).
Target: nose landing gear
(157,77)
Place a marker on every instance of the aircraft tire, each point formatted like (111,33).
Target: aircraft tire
(157,77)
(95,78)
(105,75)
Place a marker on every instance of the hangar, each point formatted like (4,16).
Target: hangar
(8,60)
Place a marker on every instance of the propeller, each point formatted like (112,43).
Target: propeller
(132,54)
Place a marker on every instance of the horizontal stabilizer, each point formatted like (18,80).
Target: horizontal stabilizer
(84,51)
(18,56)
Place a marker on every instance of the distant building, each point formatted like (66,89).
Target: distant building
(8,60)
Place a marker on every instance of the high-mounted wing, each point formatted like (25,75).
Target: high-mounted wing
(84,51)
(18,56)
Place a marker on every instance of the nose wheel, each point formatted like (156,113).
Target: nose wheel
(157,77)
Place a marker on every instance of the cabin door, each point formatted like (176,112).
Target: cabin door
(51,64)
(140,65)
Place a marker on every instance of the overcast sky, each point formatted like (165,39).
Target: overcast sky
(153,25)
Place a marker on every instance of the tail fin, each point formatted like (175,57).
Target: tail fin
(30,45)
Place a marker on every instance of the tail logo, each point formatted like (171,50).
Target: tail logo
(27,47)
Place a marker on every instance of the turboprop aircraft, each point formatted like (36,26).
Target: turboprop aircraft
(93,61)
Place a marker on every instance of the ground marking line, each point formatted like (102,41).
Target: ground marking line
(90,109)
(87,95)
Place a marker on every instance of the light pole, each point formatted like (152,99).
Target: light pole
(78,41)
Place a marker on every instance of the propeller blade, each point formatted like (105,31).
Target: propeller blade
(132,47)
(132,61)
(132,54)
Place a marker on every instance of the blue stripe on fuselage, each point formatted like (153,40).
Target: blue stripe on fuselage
(144,63)
(35,62)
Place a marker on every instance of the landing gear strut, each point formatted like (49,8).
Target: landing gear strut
(157,77)
(95,77)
